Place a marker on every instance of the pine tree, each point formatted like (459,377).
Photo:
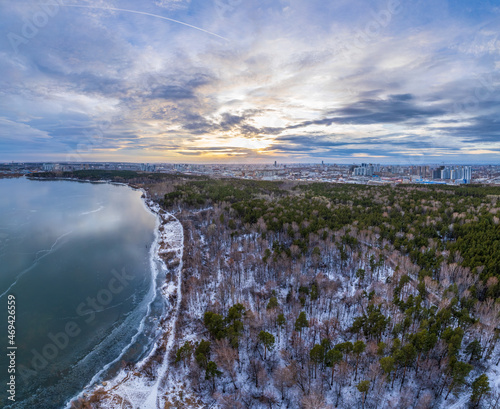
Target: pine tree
(280,320)
(267,340)
(474,350)
(333,357)
(358,348)
(480,387)
(212,372)
(316,355)
(388,366)
(202,353)
(301,322)
(363,387)
(273,303)
(184,353)
(405,357)
(314,292)
(459,372)
(234,326)
(215,324)
(381,348)
(423,341)
(345,348)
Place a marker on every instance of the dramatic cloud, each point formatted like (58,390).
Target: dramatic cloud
(228,80)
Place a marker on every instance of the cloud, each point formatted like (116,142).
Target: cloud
(301,79)
(19,132)
(173,4)
(395,109)
(480,129)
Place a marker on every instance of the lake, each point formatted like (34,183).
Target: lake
(77,257)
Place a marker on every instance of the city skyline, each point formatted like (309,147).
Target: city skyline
(179,81)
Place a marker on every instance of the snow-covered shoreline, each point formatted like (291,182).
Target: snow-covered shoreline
(165,254)
(168,238)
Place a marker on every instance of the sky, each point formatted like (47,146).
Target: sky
(210,81)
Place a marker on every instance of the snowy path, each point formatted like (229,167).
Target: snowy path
(131,389)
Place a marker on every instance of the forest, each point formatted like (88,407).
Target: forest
(322,295)
(318,295)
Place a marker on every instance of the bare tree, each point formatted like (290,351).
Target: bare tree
(283,378)
(314,400)
(426,401)
(226,358)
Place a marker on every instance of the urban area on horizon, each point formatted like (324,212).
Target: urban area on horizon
(364,173)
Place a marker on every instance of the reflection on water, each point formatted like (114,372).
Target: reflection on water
(76,257)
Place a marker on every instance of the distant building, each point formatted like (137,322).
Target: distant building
(454,173)
(436,174)
(366,169)
(146,167)
(467,174)
(49,167)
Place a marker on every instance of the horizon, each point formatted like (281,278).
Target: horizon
(232,82)
(388,164)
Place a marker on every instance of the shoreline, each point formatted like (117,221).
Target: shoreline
(161,261)
(154,258)
(145,334)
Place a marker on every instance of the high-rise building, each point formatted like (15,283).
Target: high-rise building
(445,173)
(462,173)
(364,170)
(467,176)
(146,167)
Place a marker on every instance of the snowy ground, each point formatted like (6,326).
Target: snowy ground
(154,386)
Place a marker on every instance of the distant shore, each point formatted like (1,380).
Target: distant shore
(11,175)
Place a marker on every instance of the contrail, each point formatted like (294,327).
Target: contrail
(143,13)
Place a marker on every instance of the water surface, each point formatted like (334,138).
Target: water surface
(77,258)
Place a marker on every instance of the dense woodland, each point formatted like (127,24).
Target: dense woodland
(327,295)
(324,295)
